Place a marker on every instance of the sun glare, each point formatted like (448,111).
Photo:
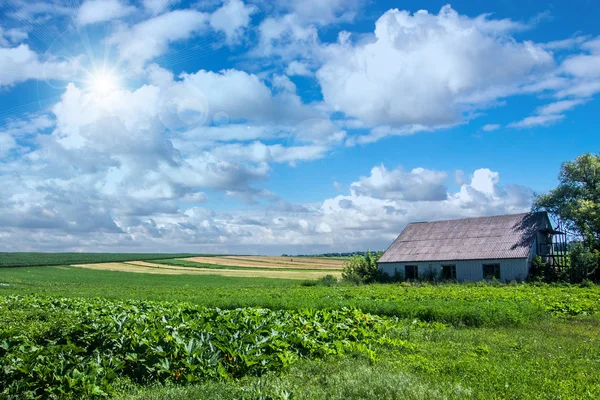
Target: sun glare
(103,83)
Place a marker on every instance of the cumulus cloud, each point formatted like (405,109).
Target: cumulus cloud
(20,63)
(426,69)
(417,185)
(232,19)
(94,11)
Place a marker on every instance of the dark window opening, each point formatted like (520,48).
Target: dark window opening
(411,271)
(491,271)
(449,272)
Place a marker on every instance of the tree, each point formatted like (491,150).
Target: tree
(576,200)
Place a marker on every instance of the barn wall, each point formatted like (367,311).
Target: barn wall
(470,270)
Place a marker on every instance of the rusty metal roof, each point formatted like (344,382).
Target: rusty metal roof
(502,236)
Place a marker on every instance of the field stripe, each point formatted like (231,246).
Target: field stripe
(238,262)
(150,268)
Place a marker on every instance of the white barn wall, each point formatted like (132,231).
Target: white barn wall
(467,270)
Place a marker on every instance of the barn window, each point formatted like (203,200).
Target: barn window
(449,272)
(491,271)
(411,271)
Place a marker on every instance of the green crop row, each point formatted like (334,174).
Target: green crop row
(57,347)
(44,259)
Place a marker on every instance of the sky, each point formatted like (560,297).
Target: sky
(290,126)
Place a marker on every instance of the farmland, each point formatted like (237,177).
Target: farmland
(167,336)
(233,266)
(44,259)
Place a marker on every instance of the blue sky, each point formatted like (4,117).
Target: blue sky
(283,127)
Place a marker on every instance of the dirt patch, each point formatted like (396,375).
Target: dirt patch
(150,268)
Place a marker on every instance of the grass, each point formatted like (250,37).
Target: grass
(45,259)
(498,341)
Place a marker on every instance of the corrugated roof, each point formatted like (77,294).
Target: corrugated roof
(502,236)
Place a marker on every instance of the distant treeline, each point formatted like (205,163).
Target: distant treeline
(350,254)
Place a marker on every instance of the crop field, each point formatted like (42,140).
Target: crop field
(44,259)
(72,332)
(233,266)
(154,268)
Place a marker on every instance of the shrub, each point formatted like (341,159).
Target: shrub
(583,263)
(328,280)
(362,269)
(429,275)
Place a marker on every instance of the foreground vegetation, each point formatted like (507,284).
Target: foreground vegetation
(475,304)
(139,336)
(44,259)
(82,347)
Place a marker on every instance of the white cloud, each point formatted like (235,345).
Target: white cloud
(584,65)
(417,185)
(565,44)
(19,64)
(548,114)
(559,107)
(322,12)
(94,11)
(288,38)
(158,6)
(258,152)
(7,143)
(296,68)
(39,11)
(426,69)
(232,19)
(490,127)
(11,36)
(537,120)
(151,38)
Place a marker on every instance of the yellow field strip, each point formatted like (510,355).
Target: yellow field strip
(237,262)
(150,268)
(290,260)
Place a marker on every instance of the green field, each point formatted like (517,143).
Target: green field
(474,341)
(44,259)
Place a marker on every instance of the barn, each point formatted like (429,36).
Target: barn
(472,249)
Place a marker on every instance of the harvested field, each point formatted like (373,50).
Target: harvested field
(271,262)
(151,268)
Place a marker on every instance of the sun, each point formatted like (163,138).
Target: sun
(103,83)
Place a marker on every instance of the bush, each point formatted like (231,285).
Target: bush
(430,275)
(328,280)
(583,263)
(362,269)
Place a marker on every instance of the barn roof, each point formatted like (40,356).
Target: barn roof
(502,236)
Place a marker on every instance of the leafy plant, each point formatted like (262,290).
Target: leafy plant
(78,347)
(362,269)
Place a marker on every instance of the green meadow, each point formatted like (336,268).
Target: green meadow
(68,332)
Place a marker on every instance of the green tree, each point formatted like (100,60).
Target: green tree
(576,200)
